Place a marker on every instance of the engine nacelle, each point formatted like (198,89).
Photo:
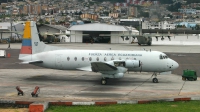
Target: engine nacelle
(132,63)
(118,75)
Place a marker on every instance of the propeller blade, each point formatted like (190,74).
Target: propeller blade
(140,66)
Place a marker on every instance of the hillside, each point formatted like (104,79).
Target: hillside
(192,1)
(161,1)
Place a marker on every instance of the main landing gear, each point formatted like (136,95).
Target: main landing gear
(104,81)
(154,80)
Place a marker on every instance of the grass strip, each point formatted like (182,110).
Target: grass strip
(183,106)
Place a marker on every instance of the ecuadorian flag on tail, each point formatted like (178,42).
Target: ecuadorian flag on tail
(26,48)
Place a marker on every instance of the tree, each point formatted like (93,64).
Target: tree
(174,7)
(169,15)
(144,14)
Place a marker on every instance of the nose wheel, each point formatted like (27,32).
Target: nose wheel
(103,81)
(154,80)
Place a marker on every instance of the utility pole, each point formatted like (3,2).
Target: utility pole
(9,39)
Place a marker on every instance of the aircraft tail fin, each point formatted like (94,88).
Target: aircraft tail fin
(31,42)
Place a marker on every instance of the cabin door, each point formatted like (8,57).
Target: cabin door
(59,61)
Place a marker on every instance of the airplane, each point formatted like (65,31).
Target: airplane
(110,63)
(143,39)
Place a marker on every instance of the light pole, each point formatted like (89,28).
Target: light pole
(9,39)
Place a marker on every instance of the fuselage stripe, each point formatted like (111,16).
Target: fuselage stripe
(26,42)
(26,50)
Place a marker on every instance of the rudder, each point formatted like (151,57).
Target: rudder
(31,43)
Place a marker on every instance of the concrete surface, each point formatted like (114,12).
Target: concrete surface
(58,85)
(162,48)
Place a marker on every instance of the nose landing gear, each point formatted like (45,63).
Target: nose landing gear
(154,80)
(104,81)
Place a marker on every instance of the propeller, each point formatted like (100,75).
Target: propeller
(140,66)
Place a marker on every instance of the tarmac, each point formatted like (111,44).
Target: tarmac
(81,86)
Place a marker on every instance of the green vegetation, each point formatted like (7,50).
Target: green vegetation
(192,106)
(192,1)
(144,14)
(113,1)
(174,7)
(5,1)
(165,1)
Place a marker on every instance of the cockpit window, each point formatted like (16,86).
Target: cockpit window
(163,56)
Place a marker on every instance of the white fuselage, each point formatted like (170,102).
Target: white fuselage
(74,59)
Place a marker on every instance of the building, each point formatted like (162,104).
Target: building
(187,24)
(130,22)
(89,16)
(158,25)
(100,33)
(48,30)
(187,11)
(6,26)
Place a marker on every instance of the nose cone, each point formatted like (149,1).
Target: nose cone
(176,65)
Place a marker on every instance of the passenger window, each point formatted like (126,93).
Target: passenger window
(68,58)
(97,58)
(75,58)
(82,58)
(90,59)
(105,59)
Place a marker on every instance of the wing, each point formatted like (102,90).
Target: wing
(100,66)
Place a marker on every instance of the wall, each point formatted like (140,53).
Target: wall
(118,39)
(78,37)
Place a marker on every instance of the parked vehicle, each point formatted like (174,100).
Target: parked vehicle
(2,53)
(189,75)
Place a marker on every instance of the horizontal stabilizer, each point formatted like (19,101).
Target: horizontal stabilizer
(31,62)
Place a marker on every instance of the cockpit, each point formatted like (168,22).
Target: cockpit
(163,56)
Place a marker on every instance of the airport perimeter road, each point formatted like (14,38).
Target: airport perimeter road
(162,48)
(58,85)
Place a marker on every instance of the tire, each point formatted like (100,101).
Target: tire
(195,79)
(155,80)
(139,44)
(103,81)
(149,43)
(183,78)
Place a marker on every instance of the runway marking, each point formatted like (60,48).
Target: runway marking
(137,87)
(11,94)
(181,88)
